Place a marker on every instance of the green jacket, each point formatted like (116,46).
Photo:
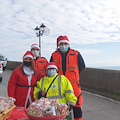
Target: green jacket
(61,89)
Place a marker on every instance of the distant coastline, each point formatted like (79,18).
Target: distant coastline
(107,67)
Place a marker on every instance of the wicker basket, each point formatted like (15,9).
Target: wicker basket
(6,114)
(57,117)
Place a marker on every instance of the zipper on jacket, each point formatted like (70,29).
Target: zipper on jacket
(68,60)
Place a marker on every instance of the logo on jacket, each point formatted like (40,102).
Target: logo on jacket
(55,61)
(54,86)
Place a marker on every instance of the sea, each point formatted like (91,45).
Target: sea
(107,67)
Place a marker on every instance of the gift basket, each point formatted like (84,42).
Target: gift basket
(47,109)
(6,106)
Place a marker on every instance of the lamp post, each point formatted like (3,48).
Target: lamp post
(40,31)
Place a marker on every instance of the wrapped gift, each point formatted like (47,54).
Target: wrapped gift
(45,108)
(6,107)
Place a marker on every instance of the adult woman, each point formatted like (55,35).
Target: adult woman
(22,82)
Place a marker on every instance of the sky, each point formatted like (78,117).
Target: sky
(92,26)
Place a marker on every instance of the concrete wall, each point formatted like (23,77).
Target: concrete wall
(106,80)
(11,65)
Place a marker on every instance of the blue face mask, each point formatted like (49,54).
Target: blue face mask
(51,72)
(64,48)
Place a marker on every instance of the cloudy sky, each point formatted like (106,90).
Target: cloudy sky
(92,26)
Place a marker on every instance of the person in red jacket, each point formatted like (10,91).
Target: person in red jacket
(39,62)
(70,63)
(22,82)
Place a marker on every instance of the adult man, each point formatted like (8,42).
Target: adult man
(55,86)
(70,63)
(39,62)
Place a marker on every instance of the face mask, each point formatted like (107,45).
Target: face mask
(64,48)
(51,72)
(27,63)
(36,53)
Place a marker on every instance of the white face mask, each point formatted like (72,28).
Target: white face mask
(51,72)
(36,53)
(64,48)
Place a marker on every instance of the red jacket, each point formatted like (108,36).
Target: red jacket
(72,70)
(18,88)
(40,66)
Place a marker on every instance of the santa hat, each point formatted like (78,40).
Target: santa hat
(28,54)
(62,39)
(52,65)
(35,45)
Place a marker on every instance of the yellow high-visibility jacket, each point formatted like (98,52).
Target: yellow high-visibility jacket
(61,89)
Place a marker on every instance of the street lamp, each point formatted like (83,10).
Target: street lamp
(40,31)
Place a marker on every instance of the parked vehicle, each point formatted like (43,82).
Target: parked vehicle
(3,61)
(1,72)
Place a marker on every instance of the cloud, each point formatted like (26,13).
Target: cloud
(84,22)
(90,51)
(102,63)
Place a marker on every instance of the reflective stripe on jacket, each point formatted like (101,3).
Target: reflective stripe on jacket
(61,89)
(72,70)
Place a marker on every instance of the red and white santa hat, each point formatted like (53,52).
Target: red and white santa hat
(62,39)
(35,45)
(52,65)
(28,54)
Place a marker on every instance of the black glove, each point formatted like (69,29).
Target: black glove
(39,94)
(71,107)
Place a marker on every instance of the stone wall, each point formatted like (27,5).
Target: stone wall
(11,65)
(100,79)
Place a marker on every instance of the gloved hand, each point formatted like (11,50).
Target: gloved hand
(41,94)
(44,94)
(71,107)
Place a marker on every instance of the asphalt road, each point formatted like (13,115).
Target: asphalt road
(95,107)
